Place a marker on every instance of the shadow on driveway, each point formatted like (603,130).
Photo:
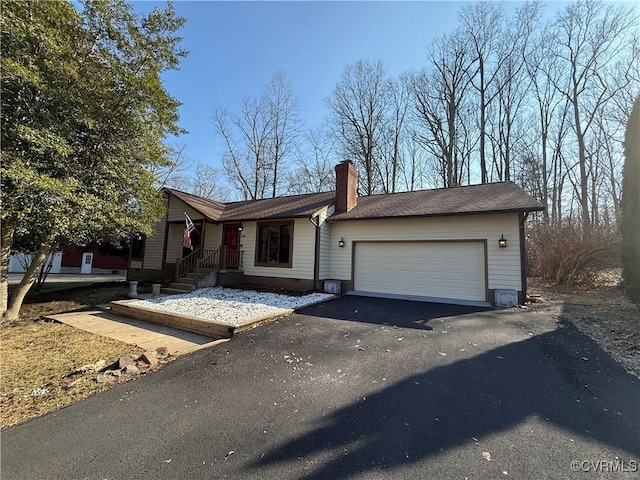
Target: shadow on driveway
(384,311)
(478,398)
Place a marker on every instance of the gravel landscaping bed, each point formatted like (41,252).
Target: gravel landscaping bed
(230,306)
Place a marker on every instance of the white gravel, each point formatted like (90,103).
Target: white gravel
(230,306)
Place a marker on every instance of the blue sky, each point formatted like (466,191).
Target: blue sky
(236,47)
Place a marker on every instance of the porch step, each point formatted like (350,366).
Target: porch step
(173,291)
(185,287)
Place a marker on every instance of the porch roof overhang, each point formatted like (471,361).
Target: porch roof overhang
(295,206)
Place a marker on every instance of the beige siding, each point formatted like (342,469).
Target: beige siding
(325,244)
(174,242)
(154,246)
(503,269)
(177,209)
(212,236)
(303,247)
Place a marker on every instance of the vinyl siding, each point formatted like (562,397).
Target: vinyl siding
(154,246)
(325,245)
(503,264)
(212,236)
(177,208)
(303,247)
(174,242)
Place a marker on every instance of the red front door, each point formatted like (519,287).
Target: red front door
(232,242)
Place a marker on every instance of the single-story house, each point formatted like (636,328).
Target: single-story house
(454,245)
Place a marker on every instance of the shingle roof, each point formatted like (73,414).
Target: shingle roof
(209,208)
(485,198)
(279,207)
(472,199)
(268,208)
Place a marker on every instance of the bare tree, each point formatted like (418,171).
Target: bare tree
(282,106)
(204,181)
(390,163)
(414,170)
(245,160)
(259,139)
(482,21)
(512,87)
(590,36)
(358,103)
(440,92)
(314,168)
(175,167)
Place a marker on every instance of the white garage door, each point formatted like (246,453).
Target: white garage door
(439,270)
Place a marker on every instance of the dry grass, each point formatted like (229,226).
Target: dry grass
(37,357)
(38,360)
(602,312)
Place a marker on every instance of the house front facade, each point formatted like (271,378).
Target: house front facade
(457,245)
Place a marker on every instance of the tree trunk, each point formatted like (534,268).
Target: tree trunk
(5,251)
(584,187)
(483,127)
(25,284)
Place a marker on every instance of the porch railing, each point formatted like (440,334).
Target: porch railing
(187,264)
(201,260)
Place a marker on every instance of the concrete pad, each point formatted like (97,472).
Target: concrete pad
(136,332)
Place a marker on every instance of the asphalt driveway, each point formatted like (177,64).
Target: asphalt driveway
(357,388)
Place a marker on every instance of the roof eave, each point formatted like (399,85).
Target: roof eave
(431,215)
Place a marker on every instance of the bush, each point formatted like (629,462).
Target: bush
(567,254)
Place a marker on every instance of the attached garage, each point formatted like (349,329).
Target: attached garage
(445,271)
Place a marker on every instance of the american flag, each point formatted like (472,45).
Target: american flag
(186,236)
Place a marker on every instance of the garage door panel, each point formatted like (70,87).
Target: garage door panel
(448,270)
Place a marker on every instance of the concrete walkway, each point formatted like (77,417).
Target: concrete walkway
(135,332)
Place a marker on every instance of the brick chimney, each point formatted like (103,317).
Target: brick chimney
(346,186)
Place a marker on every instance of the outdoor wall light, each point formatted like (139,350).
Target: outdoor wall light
(240,228)
(502,242)
(341,242)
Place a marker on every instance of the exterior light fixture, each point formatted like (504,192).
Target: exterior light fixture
(240,228)
(341,242)
(502,242)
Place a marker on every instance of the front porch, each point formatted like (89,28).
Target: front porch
(207,268)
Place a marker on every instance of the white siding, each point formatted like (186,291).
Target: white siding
(503,264)
(303,247)
(325,245)
(154,246)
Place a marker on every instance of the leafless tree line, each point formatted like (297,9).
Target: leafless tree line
(521,97)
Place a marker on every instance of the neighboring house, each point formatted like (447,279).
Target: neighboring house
(91,261)
(454,245)
(19,262)
(72,259)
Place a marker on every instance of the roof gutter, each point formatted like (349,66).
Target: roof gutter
(428,215)
(523,258)
(316,252)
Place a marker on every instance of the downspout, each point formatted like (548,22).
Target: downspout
(316,253)
(523,259)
